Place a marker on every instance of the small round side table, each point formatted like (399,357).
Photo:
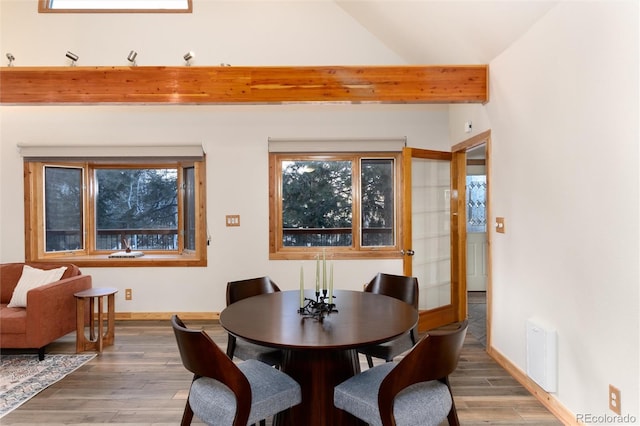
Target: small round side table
(104,337)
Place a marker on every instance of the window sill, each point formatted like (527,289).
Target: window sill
(335,255)
(148,260)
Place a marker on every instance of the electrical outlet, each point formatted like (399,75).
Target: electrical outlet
(127,294)
(614,400)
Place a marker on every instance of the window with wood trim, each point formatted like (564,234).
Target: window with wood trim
(106,213)
(110,6)
(346,203)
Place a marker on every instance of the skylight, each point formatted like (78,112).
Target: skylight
(111,5)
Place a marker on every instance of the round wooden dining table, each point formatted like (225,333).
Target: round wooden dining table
(318,354)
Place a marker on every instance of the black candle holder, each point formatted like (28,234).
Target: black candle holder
(317,309)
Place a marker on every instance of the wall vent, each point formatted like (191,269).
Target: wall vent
(542,357)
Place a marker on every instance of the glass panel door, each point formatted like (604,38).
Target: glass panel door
(431,236)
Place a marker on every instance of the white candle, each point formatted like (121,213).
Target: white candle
(317,274)
(331,285)
(301,286)
(324,270)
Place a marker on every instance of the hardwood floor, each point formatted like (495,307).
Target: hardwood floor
(141,381)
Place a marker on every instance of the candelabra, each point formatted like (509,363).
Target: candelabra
(318,308)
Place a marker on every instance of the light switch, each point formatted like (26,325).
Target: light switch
(233,220)
(500,225)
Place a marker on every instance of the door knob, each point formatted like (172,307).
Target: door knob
(407,252)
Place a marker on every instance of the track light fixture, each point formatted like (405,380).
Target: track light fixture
(74,58)
(132,57)
(188,57)
(11,58)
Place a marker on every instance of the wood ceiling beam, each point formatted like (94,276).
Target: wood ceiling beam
(244,85)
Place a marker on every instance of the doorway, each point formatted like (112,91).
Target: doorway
(477,213)
(477,247)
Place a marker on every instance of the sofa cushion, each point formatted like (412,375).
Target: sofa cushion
(32,278)
(10,274)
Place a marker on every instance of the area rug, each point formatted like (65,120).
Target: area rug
(23,376)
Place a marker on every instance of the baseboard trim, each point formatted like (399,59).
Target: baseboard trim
(549,401)
(159,316)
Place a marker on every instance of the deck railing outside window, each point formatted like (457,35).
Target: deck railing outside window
(111,239)
(334,237)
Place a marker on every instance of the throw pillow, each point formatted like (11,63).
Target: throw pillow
(32,278)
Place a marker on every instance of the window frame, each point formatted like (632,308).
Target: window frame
(89,256)
(44,6)
(277,251)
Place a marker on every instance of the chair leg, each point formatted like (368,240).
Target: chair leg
(187,416)
(231,346)
(452,417)
(369,361)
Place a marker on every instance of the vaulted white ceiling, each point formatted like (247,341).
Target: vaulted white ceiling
(447,31)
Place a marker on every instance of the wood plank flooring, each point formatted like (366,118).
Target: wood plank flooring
(141,381)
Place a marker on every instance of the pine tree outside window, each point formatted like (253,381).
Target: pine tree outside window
(345,203)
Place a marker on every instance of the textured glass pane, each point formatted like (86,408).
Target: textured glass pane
(378,208)
(316,203)
(137,208)
(477,203)
(431,232)
(63,209)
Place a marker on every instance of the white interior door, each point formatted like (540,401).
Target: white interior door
(477,261)
(476,223)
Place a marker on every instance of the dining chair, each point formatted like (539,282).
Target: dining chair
(403,288)
(225,393)
(413,391)
(243,349)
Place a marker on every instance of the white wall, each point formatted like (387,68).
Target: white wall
(234,137)
(564,120)
(241,33)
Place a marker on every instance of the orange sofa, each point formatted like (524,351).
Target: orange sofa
(50,312)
